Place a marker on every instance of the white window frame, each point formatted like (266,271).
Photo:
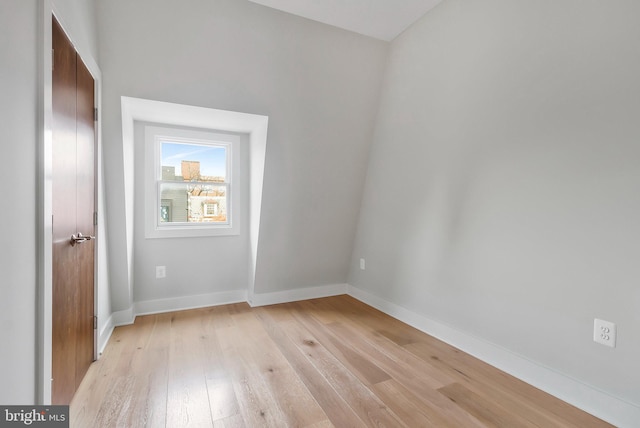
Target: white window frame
(154,136)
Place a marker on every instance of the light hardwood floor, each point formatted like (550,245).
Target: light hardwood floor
(318,363)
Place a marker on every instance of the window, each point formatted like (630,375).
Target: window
(191,180)
(212,209)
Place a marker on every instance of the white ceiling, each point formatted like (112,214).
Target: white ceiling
(382,19)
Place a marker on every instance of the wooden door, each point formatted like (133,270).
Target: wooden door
(73,157)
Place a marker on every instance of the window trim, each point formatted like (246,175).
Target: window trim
(154,134)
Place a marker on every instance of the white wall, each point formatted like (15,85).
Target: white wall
(319,87)
(18,109)
(502,195)
(80,21)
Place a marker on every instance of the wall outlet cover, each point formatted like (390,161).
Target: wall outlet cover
(161,272)
(604,332)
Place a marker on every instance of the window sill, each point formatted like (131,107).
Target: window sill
(190,231)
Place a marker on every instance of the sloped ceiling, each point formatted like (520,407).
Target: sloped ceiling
(381,19)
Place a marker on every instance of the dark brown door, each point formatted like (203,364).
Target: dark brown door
(73,179)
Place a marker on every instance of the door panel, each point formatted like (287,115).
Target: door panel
(65,274)
(73,207)
(85,207)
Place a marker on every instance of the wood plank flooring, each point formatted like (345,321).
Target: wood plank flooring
(332,362)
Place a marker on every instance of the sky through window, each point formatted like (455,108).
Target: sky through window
(213,159)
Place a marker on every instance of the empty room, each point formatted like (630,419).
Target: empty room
(242,213)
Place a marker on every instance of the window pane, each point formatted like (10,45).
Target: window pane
(184,202)
(193,162)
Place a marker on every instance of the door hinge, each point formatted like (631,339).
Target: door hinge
(95,218)
(95,322)
(95,114)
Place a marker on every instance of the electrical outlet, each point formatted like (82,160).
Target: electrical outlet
(161,271)
(604,332)
(361,264)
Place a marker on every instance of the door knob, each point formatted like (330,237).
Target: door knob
(80,238)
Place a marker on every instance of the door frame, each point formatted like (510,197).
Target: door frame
(47,10)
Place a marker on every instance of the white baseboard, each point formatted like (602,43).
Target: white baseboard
(116,319)
(105,334)
(264,299)
(190,302)
(124,317)
(598,403)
